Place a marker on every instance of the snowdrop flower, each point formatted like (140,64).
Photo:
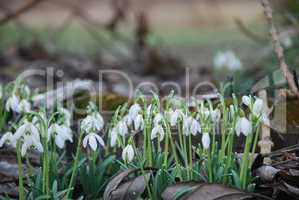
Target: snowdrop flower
(205,140)
(113,137)
(6,138)
(61,133)
(128,153)
(31,141)
(158,118)
(257,107)
(30,137)
(138,122)
(93,121)
(12,103)
(134,110)
(149,110)
(216,115)
(190,125)
(244,126)
(27,128)
(24,106)
(122,128)
(158,130)
(93,139)
(128,120)
(246,100)
(227,60)
(174,116)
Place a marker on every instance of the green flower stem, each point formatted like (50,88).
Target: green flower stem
(229,157)
(190,157)
(74,173)
(20,173)
(149,148)
(213,141)
(210,169)
(166,147)
(254,146)
(244,164)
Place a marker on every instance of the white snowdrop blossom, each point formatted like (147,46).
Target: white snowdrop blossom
(113,137)
(190,125)
(30,137)
(205,140)
(92,139)
(216,115)
(149,110)
(24,106)
(61,133)
(122,128)
(257,107)
(128,153)
(30,141)
(134,110)
(158,118)
(138,122)
(244,126)
(227,60)
(246,100)
(158,130)
(6,138)
(128,120)
(174,116)
(12,103)
(93,121)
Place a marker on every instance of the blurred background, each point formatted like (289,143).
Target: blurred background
(219,40)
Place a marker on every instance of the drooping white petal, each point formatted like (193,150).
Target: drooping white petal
(122,128)
(59,141)
(12,103)
(195,127)
(99,122)
(138,122)
(128,120)
(128,153)
(174,116)
(24,106)
(157,130)
(257,107)
(205,140)
(186,125)
(149,110)
(93,142)
(216,115)
(113,138)
(134,110)
(24,148)
(20,131)
(238,127)
(100,140)
(7,137)
(246,100)
(244,126)
(85,140)
(158,118)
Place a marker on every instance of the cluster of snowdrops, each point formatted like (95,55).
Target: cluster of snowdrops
(183,141)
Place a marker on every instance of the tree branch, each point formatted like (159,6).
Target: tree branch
(278,48)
